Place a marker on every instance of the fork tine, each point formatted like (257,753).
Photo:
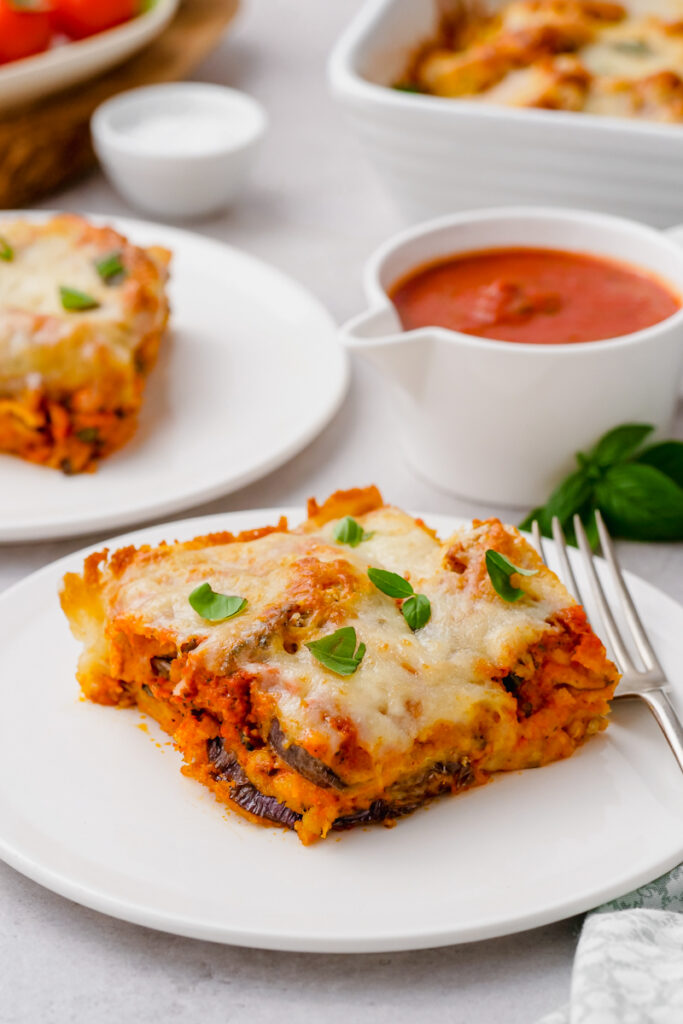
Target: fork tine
(566,571)
(643,644)
(621,653)
(538,538)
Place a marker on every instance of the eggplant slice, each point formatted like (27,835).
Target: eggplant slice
(161,667)
(301,761)
(243,792)
(404,796)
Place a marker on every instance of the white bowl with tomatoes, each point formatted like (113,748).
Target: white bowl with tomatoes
(48,45)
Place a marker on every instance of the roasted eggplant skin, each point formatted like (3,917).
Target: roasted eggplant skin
(408,794)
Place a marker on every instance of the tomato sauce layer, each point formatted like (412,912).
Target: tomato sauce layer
(534,296)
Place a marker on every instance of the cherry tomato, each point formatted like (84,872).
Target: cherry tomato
(24,29)
(81,18)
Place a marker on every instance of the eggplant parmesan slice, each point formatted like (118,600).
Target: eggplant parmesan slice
(82,315)
(284,730)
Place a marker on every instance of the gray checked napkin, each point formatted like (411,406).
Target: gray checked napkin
(628,967)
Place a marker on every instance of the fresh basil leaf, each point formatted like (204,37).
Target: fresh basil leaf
(338,651)
(75,301)
(634,47)
(500,569)
(640,503)
(88,434)
(417,611)
(6,250)
(617,444)
(110,268)
(567,499)
(640,492)
(406,87)
(590,525)
(540,516)
(390,583)
(349,531)
(215,607)
(587,517)
(667,457)
(341,643)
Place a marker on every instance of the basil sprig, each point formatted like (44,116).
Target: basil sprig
(390,583)
(349,531)
(500,569)
(213,606)
(75,301)
(338,651)
(6,250)
(417,611)
(634,47)
(110,268)
(415,608)
(639,490)
(88,434)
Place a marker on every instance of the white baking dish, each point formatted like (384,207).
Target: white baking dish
(439,155)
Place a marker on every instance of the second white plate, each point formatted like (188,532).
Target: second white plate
(93,805)
(251,371)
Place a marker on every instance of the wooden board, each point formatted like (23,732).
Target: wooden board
(46,144)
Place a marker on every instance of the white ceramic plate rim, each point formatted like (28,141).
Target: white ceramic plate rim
(97,898)
(132,510)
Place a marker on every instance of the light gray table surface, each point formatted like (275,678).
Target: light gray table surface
(315,210)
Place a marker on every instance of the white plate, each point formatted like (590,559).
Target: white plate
(94,807)
(65,65)
(250,372)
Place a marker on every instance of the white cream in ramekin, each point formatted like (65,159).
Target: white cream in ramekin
(181,149)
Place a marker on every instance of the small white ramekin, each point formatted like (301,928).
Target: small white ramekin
(501,422)
(178,183)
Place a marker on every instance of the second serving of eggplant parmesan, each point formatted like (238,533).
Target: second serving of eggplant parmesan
(82,315)
(345,671)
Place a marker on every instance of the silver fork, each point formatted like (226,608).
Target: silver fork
(649,684)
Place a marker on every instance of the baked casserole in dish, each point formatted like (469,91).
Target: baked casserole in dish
(581,55)
(564,102)
(345,671)
(82,315)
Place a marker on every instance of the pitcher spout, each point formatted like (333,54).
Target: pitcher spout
(378,336)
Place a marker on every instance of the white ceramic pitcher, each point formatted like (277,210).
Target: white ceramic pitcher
(500,422)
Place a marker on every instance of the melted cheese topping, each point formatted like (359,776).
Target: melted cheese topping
(43,343)
(407,682)
(42,263)
(600,57)
(634,49)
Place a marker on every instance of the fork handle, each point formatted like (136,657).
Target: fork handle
(667,719)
